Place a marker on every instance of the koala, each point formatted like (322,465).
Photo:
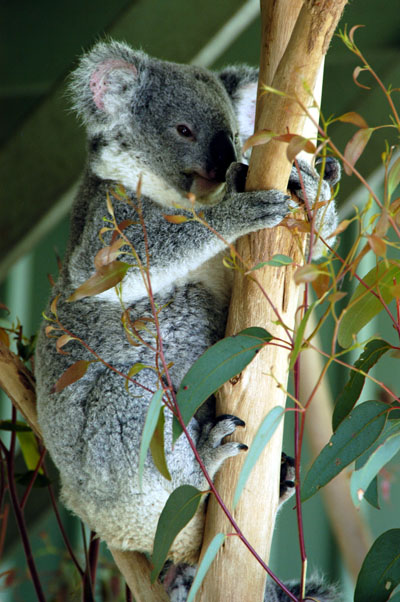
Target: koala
(315,589)
(180,130)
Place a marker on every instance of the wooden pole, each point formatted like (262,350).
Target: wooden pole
(235,574)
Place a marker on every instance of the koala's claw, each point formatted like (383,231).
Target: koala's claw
(211,449)
(287,478)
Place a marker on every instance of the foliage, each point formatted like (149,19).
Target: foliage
(366,434)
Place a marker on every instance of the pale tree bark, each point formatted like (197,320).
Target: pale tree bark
(234,573)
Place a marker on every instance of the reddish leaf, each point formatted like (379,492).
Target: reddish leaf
(355,147)
(63,340)
(110,275)
(108,254)
(356,73)
(321,283)
(53,306)
(71,375)
(353,30)
(354,118)
(298,144)
(341,228)
(176,219)
(377,244)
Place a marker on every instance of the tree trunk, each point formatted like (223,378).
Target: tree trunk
(235,573)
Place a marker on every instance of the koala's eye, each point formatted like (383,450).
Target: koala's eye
(184,131)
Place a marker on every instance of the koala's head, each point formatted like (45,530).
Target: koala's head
(174,124)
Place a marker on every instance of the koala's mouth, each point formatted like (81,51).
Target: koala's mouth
(204,185)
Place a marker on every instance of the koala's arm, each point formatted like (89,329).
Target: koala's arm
(177,249)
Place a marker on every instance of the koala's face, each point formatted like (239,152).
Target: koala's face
(187,127)
(174,124)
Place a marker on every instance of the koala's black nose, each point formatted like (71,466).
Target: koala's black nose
(221,154)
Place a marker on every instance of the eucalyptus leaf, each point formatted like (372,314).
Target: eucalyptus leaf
(364,304)
(380,572)
(177,512)
(217,365)
(355,434)
(205,564)
(361,478)
(150,425)
(157,446)
(264,433)
(348,397)
(30,449)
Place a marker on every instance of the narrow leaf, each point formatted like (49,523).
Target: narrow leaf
(276,261)
(307,273)
(176,219)
(30,449)
(179,509)
(361,479)
(157,447)
(354,118)
(394,177)
(377,244)
(355,147)
(380,572)
(109,276)
(217,365)
(150,424)
(205,564)
(9,425)
(300,335)
(63,340)
(365,305)
(261,438)
(260,137)
(71,375)
(348,398)
(354,435)
(298,144)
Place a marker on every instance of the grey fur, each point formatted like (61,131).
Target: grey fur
(131,105)
(316,589)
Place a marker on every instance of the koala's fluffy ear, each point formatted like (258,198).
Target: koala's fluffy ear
(105,81)
(241,84)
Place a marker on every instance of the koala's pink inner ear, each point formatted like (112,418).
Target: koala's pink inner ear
(98,81)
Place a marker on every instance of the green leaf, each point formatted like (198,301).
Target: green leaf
(9,425)
(26,477)
(365,305)
(394,177)
(105,278)
(361,479)
(179,509)
(276,261)
(380,572)
(217,365)
(205,564)
(261,438)
(157,447)
(300,334)
(30,449)
(371,495)
(354,435)
(347,399)
(150,425)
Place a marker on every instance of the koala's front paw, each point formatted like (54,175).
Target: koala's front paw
(210,447)
(288,475)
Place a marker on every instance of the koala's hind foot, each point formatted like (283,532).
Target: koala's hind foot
(287,478)
(210,447)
